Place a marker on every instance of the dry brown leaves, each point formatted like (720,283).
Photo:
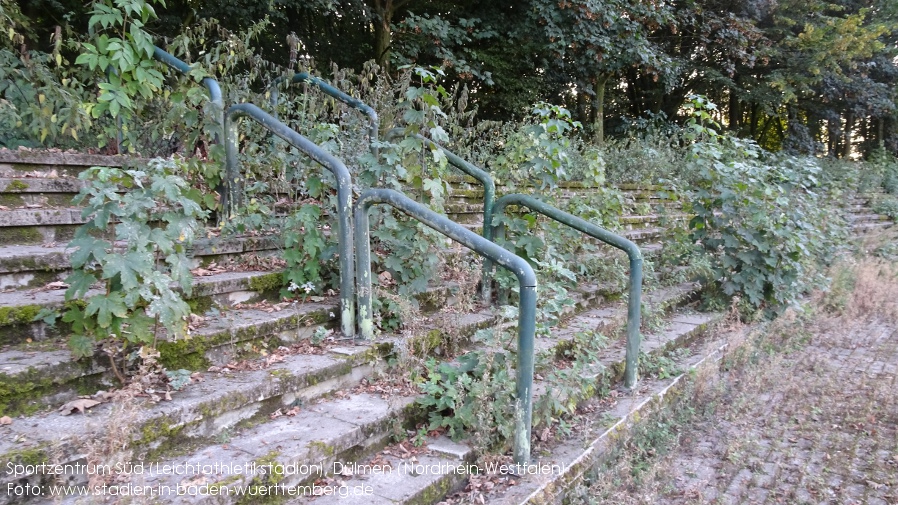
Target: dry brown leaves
(388,387)
(53,286)
(274,357)
(264,306)
(83,403)
(480,487)
(281,412)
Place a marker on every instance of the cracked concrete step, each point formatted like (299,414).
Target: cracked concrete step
(44,369)
(43,373)
(445,467)
(350,365)
(340,431)
(628,222)
(38,226)
(314,439)
(37,193)
(638,236)
(50,165)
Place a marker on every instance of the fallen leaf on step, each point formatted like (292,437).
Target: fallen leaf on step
(79,405)
(5,420)
(54,286)
(102,396)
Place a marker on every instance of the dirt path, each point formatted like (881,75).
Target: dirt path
(803,411)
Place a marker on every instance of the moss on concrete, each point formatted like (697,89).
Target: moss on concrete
(16,185)
(20,235)
(200,305)
(32,456)
(162,438)
(259,486)
(23,314)
(265,283)
(187,353)
(22,394)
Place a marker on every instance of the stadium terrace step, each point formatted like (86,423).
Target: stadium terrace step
(441,466)
(24,267)
(232,401)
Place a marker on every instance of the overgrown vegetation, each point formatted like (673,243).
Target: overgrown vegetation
(752,225)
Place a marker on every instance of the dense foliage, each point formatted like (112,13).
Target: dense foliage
(806,76)
(545,95)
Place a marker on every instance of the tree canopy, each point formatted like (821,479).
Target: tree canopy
(807,76)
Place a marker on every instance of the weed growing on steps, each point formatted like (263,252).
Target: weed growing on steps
(136,244)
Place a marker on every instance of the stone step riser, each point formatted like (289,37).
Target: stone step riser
(230,338)
(433,490)
(324,449)
(33,266)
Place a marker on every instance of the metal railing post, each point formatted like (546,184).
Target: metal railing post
(517,265)
(344,195)
(215,97)
(489,195)
(634,302)
(373,120)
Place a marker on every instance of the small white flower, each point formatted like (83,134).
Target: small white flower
(292,287)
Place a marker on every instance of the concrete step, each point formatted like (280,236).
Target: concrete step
(42,373)
(872,227)
(39,226)
(230,402)
(443,466)
(38,193)
(33,266)
(868,217)
(640,235)
(222,290)
(52,165)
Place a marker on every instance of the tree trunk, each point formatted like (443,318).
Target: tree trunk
(846,143)
(581,107)
(383,14)
(599,108)
(735,112)
(753,125)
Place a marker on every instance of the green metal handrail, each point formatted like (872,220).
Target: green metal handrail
(210,84)
(344,194)
(632,250)
(517,265)
(373,121)
(489,194)
(215,97)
